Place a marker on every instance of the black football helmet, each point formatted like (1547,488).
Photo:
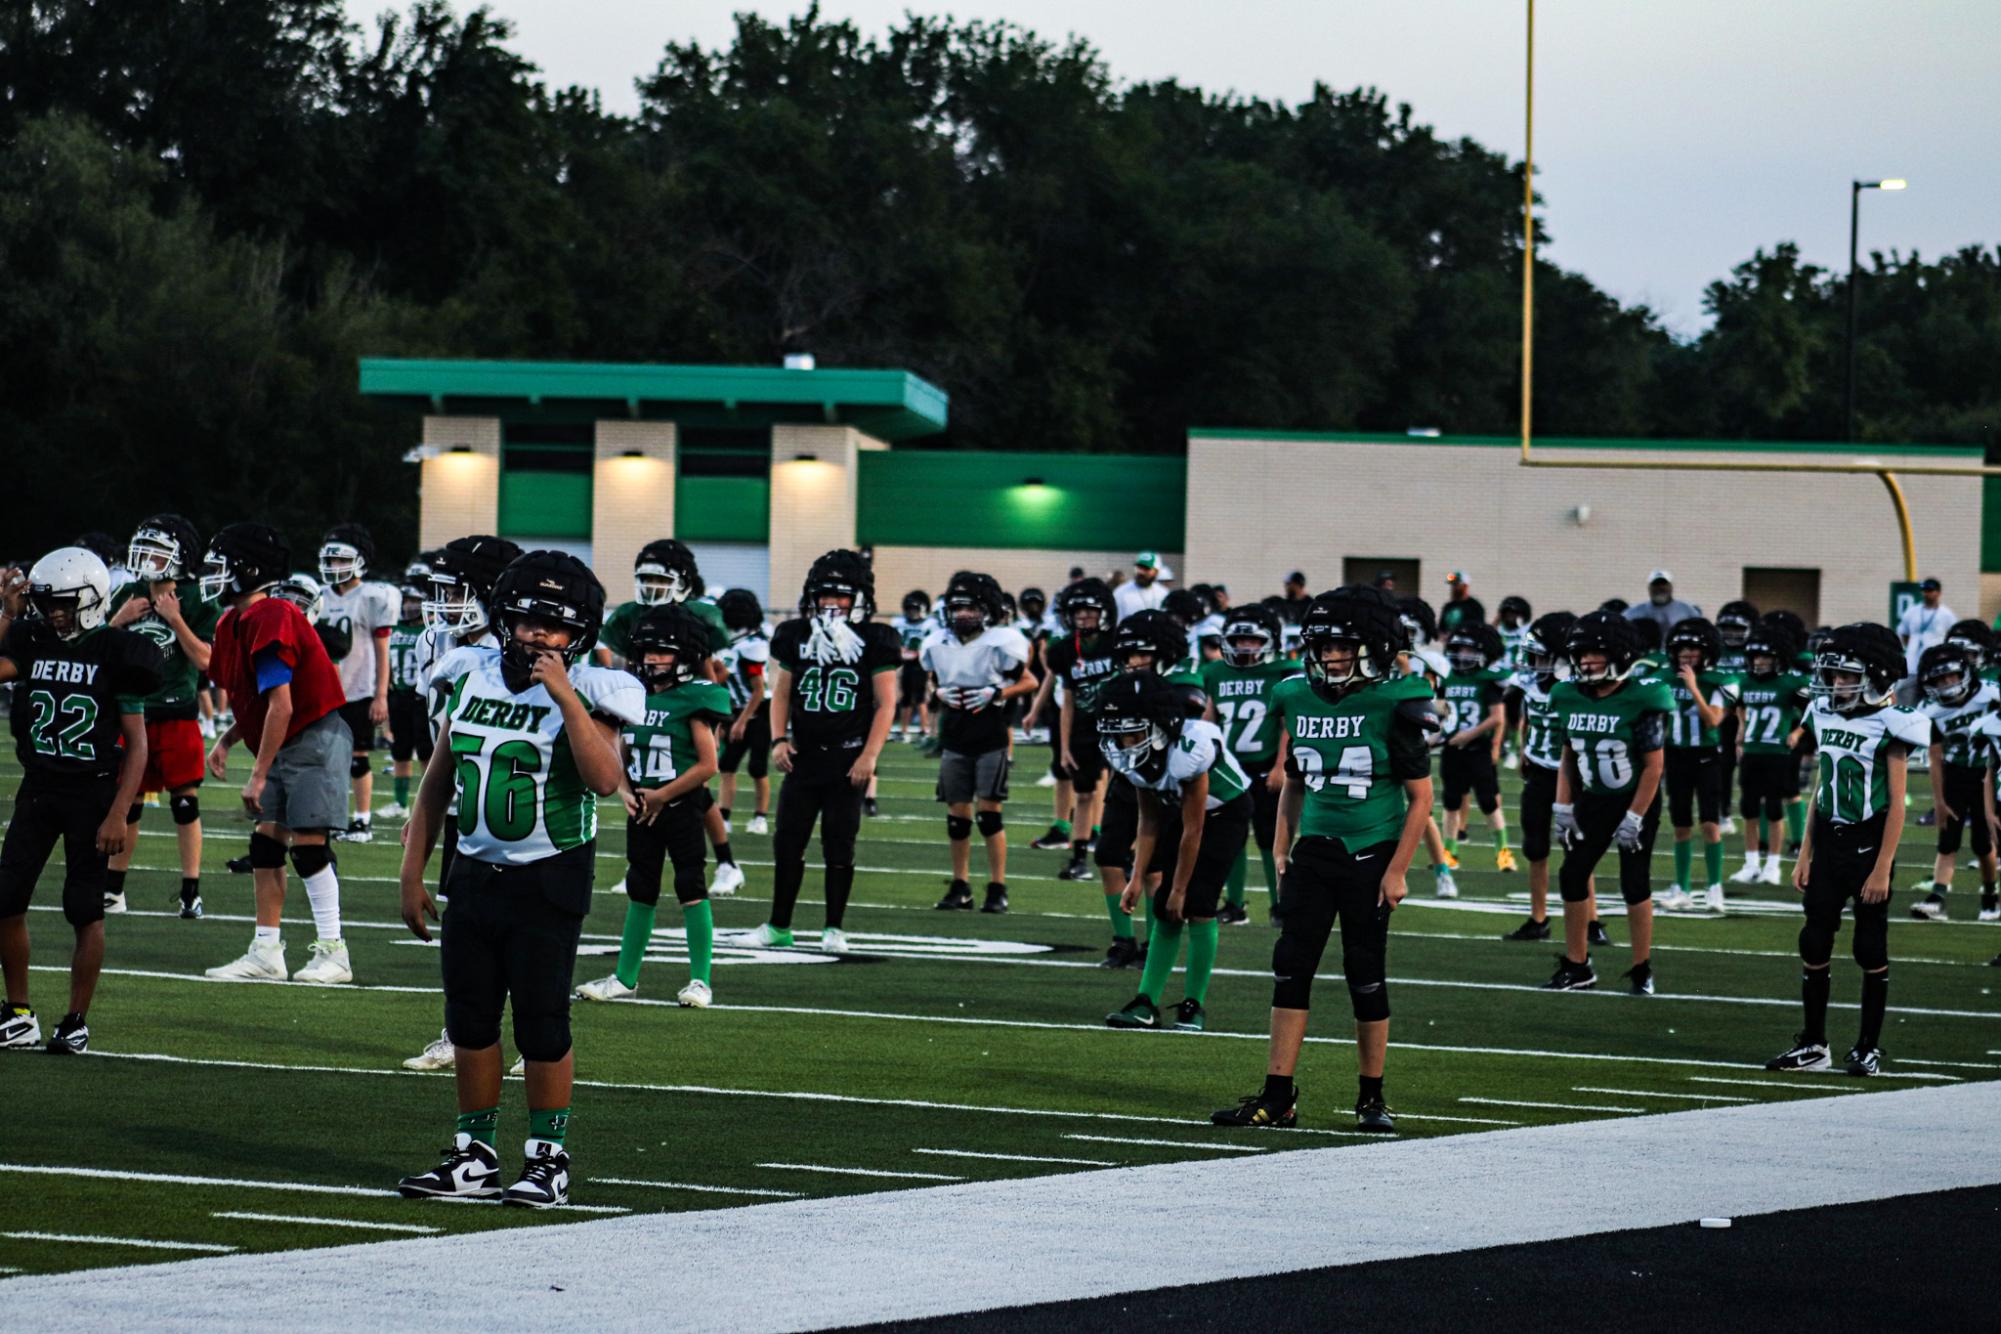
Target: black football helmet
(1251,636)
(668,628)
(840,573)
(1948,674)
(916,604)
(1033,602)
(1152,632)
(1975,638)
(553,586)
(972,602)
(742,611)
(1601,634)
(1616,606)
(1183,606)
(1771,644)
(1543,646)
(463,572)
(1083,596)
(1647,634)
(1518,607)
(664,574)
(1795,628)
(1363,618)
(1867,651)
(346,552)
(163,547)
(1474,646)
(99,544)
(1420,622)
(1695,632)
(243,558)
(1734,621)
(1140,716)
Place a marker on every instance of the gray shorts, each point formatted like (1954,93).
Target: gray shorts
(963,778)
(308,785)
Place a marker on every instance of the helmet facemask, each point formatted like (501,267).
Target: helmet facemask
(1134,747)
(966,616)
(217,579)
(654,585)
(1733,630)
(1247,644)
(1842,682)
(453,608)
(154,556)
(1950,684)
(340,563)
(1337,675)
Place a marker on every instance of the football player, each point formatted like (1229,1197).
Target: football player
(1543,665)
(1422,658)
(1703,697)
(1080,662)
(1611,723)
(1849,856)
(1513,622)
(1474,717)
(1978,641)
(358,614)
(748,744)
(1356,799)
(1772,698)
(1955,699)
(913,625)
(409,727)
(79,721)
(163,604)
(532,728)
(1193,804)
(670,755)
(976,669)
(288,697)
(1239,684)
(833,697)
(1734,624)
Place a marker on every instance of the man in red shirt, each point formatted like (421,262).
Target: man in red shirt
(287,697)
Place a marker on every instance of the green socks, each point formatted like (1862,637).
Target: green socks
(1233,888)
(1061,825)
(1451,845)
(1684,856)
(1712,861)
(1163,943)
(1796,821)
(633,940)
(1501,838)
(1122,921)
(700,919)
(480,1125)
(551,1123)
(1201,960)
(402,786)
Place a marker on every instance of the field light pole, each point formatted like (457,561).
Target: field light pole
(1855,189)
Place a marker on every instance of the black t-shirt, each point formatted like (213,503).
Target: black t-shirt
(70,695)
(1084,664)
(832,704)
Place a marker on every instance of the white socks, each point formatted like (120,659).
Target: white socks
(266,935)
(323,890)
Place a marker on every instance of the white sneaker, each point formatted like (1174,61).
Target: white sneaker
(440,1055)
(606,989)
(328,965)
(114,903)
(619,888)
(1748,875)
(833,940)
(758,825)
(695,996)
(520,1066)
(1673,899)
(1513,761)
(1047,780)
(727,880)
(21,1030)
(1712,899)
(261,961)
(393,811)
(1990,914)
(1729,825)
(1448,888)
(1771,874)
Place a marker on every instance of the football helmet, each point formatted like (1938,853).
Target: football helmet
(1734,621)
(1771,644)
(243,558)
(1647,634)
(1474,646)
(1975,638)
(1518,607)
(1543,646)
(972,602)
(552,586)
(839,573)
(1140,715)
(70,591)
(1948,674)
(1695,632)
(664,573)
(1184,606)
(1862,649)
(417,577)
(1600,634)
(1034,602)
(1151,632)
(916,605)
(1365,619)
(1617,606)
(1083,596)
(1420,623)
(162,547)
(1795,628)
(741,610)
(1251,636)
(668,628)
(99,544)
(302,591)
(346,549)
(461,581)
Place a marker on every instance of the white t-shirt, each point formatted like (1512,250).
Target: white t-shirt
(1129,597)
(1921,627)
(368,611)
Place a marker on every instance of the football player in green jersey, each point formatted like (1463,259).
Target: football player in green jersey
(1611,723)
(1856,817)
(1422,658)
(531,728)
(1543,665)
(1771,699)
(1356,799)
(409,721)
(1956,700)
(1239,684)
(1193,805)
(1474,717)
(1734,623)
(670,756)
(1703,697)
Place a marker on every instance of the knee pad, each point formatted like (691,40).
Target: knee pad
(990,822)
(133,812)
(186,808)
(358,767)
(689,887)
(1871,945)
(309,859)
(266,853)
(469,1028)
(542,1037)
(958,827)
(1292,974)
(1816,944)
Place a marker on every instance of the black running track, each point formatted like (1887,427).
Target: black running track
(1914,1261)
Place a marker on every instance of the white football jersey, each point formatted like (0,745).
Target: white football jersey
(365,612)
(1199,751)
(988,659)
(1953,725)
(1854,779)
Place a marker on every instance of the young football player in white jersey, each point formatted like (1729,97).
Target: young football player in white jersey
(531,727)
(975,669)
(747,743)
(1855,817)
(913,625)
(1956,700)
(357,614)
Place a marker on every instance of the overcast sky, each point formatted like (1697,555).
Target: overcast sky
(1673,137)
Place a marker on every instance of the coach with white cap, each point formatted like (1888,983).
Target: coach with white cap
(1662,605)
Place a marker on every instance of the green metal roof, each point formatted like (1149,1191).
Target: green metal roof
(1863,449)
(887,404)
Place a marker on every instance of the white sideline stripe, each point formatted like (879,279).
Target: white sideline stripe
(1636,1093)
(1017,1157)
(413,1228)
(1783,1084)
(210,1248)
(1559,1106)
(1955,1065)
(303,1187)
(859,1172)
(1175,1144)
(704,1190)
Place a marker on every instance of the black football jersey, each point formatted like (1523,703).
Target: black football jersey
(833,703)
(69,695)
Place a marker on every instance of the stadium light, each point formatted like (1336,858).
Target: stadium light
(1855,189)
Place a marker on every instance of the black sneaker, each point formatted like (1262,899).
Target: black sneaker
(1640,978)
(1571,977)
(190,907)
(1373,1116)
(1930,908)
(958,897)
(1077,869)
(1533,929)
(1860,1061)
(1233,914)
(1255,1111)
(1994,962)
(469,1172)
(996,897)
(238,865)
(1806,1053)
(1595,933)
(73,1037)
(1055,840)
(1138,1013)
(1124,953)
(545,1178)
(1189,1016)
(869,808)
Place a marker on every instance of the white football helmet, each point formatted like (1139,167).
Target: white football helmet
(302,591)
(73,584)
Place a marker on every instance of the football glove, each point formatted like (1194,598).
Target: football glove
(1562,822)
(1627,835)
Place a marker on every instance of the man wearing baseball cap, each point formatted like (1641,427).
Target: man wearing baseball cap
(1925,622)
(1662,606)
(1144,591)
(1460,604)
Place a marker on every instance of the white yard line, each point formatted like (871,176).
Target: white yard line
(700,1190)
(237,1183)
(206,1247)
(1785,1084)
(1952,1065)
(1637,1093)
(1556,1106)
(1017,1157)
(1189,1145)
(858,1172)
(355,1223)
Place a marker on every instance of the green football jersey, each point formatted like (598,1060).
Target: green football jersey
(1853,775)
(1733,662)
(1608,734)
(1187,672)
(404,659)
(1468,696)
(617,632)
(1350,753)
(662,746)
(180,680)
(1685,727)
(1242,696)
(1773,706)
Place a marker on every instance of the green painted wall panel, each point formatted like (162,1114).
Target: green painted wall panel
(966,499)
(722,509)
(1990,524)
(545,504)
